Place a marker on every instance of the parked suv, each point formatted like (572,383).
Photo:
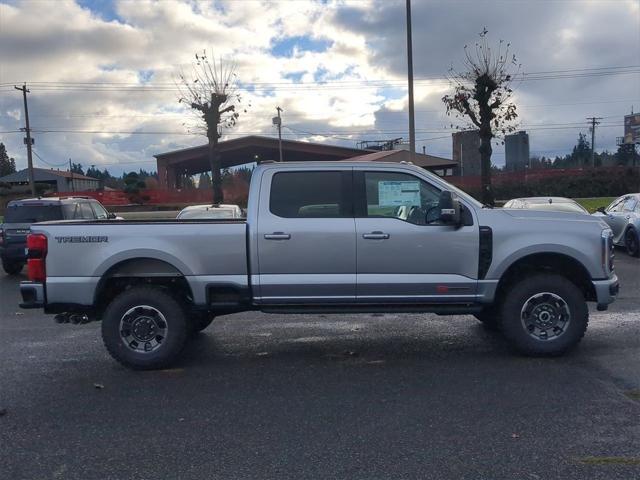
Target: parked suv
(21,214)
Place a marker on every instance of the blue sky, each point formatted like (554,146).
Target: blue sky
(105,9)
(287,46)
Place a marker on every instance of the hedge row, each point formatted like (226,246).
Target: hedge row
(591,184)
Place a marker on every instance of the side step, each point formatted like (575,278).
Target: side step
(439,309)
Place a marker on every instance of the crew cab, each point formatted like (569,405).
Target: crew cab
(327,237)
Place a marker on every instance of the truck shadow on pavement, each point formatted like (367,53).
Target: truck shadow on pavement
(364,339)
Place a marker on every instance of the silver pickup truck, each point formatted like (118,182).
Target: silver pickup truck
(326,237)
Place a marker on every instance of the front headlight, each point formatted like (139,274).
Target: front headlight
(608,253)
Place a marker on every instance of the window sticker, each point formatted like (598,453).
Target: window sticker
(394,193)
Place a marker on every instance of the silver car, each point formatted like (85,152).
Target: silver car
(623,216)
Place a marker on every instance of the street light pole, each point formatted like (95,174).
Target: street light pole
(412,126)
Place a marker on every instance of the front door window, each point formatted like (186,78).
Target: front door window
(401,196)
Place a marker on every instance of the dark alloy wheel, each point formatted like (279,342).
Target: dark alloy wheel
(632,243)
(12,268)
(144,328)
(544,314)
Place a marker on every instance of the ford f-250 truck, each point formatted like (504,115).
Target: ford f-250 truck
(326,237)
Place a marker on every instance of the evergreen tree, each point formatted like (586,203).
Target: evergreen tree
(77,168)
(7,164)
(581,154)
(204,182)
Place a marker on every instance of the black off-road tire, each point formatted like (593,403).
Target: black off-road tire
(632,242)
(490,318)
(12,268)
(176,328)
(514,329)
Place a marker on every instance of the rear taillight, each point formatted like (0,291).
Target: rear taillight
(37,247)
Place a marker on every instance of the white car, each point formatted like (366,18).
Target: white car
(222,211)
(551,204)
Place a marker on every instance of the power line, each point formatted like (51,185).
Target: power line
(130,87)
(47,163)
(348,132)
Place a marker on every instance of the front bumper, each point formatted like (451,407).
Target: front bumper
(32,295)
(606,291)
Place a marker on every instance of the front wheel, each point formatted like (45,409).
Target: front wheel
(544,315)
(12,268)
(632,243)
(144,328)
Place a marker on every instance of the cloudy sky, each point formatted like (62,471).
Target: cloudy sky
(101,72)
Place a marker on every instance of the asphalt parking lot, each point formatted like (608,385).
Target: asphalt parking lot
(330,397)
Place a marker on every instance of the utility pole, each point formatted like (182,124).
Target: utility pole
(278,122)
(28,140)
(73,187)
(594,121)
(412,126)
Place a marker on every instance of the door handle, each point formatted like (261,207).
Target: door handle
(375,236)
(277,236)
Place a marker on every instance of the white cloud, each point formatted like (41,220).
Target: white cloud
(47,41)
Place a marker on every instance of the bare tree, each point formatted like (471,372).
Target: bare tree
(210,88)
(482,95)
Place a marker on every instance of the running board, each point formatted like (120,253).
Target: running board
(439,309)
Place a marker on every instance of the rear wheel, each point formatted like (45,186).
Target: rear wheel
(12,268)
(144,328)
(632,243)
(544,314)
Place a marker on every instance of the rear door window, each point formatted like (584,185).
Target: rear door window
(311,194)
(32,213)
(71,211)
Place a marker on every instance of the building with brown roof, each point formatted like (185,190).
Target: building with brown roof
(59,180)
(175,165)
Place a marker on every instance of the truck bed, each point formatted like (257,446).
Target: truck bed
(203,251)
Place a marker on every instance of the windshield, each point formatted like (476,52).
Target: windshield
(32,213)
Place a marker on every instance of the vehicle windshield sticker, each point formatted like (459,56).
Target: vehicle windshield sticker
(391,194)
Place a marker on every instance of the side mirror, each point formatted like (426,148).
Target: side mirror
(111,216)
(601,210)
(449,207)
